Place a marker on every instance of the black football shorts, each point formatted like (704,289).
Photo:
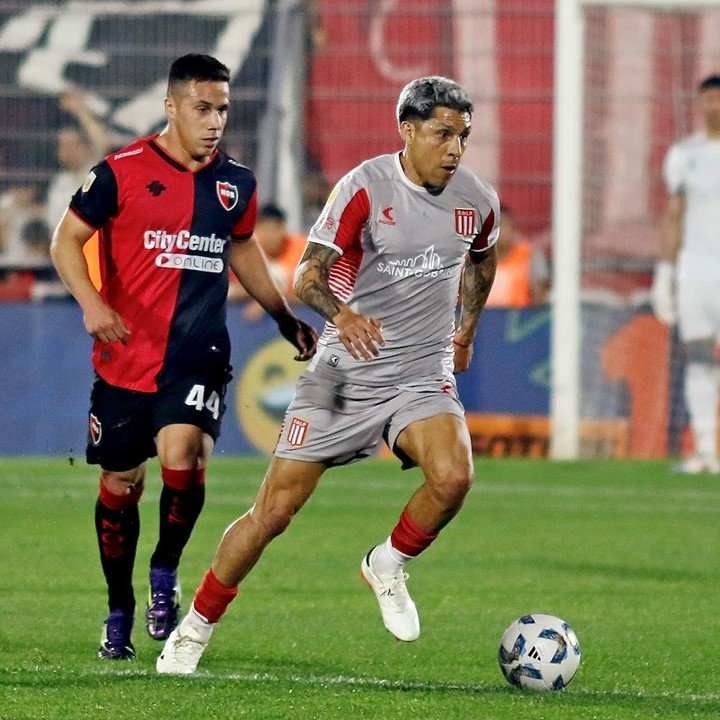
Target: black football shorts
(123,423)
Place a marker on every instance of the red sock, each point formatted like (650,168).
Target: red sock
(181,501)
(183,479)
(212,598)
(119,502)
(408,538)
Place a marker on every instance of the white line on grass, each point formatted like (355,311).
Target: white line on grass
(376,683)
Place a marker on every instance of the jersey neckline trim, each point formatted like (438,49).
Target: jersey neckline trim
(153,144)
(405,179)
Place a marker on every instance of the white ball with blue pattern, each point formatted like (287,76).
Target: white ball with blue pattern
(539,652)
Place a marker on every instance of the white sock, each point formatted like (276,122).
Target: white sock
(196,617)
(701,395)
(387,561)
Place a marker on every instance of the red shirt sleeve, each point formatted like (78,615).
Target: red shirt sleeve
(480,241)
(246,223)
(353,218)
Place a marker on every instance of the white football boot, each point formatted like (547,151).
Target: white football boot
(185,646)
(696,465)
(396,606)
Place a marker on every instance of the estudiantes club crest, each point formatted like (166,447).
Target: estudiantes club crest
(227,194)
(465,225)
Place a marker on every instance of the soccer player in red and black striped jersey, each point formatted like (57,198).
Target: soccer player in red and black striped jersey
(173,212)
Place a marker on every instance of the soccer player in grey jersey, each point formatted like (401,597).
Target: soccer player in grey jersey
(400,235)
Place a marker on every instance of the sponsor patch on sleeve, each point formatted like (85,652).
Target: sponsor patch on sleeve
(89,180)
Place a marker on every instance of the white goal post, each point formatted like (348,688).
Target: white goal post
(567,209)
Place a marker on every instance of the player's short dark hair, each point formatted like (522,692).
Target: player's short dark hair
(271,211)
(712,81)
(195,66)
(420,97)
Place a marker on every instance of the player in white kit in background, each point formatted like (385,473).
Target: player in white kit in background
(383,266)
(686,287)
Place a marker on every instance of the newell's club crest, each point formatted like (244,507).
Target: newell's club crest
(465,222)
(95,430)
(227,194)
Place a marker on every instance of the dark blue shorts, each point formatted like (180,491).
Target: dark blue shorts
(123,423)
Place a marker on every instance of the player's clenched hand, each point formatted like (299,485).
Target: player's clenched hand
(463,355)
(300,334)
(105,325)
(359,334)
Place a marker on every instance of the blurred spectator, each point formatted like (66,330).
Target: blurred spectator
(315,191)
(15,285)
(80,145)
(18,206)
(32,276)
(523,276)
(46,282)
(36,244)
(283,251)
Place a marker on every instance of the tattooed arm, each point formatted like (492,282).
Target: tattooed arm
(358,333)
(311,276)
(478,276)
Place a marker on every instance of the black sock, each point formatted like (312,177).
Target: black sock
(117,533)
(179,511)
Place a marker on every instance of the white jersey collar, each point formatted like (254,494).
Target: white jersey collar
(405,179)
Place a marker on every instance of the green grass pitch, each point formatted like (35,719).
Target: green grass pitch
(626,553)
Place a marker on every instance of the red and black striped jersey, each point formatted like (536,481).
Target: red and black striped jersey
(165,234)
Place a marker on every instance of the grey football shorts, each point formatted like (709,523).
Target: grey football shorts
(339,424)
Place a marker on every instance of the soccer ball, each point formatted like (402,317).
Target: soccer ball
(540,652)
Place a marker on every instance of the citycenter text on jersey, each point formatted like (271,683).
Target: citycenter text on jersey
(183,240)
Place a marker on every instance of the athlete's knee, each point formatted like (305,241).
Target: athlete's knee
(183,447)
(450,483)
(273,517)
(276,520)
(123,487)
(188,456)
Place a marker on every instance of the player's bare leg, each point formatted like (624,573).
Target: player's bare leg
(117,524)
(183,451)
(440,445)
(287,486)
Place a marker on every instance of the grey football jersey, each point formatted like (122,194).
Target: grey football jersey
(402,253)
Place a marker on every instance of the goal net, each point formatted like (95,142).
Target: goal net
(617,387)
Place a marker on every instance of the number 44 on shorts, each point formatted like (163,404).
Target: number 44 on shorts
(196,399)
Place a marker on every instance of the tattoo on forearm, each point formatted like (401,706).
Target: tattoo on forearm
(311,280)
(476,283)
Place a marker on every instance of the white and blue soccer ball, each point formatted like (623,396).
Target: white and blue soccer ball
(539,652)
